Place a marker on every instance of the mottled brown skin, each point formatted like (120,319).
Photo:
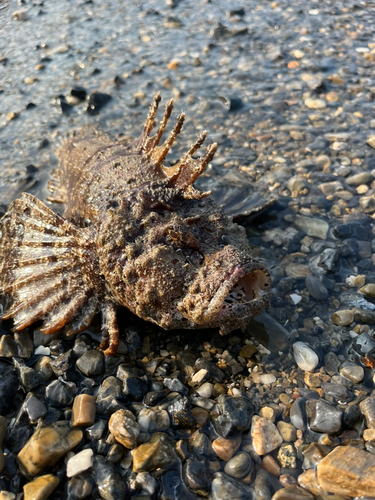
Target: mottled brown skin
(134,233)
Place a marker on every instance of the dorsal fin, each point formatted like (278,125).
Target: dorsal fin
(187,170)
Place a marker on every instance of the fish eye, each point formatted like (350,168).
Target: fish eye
(173,234)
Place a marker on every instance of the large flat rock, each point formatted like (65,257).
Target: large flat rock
(348,471)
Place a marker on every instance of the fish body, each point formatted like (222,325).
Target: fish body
(134,233)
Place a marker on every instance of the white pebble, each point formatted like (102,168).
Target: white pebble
(305,357)
(200,376)
(80,462)
(295,298)
(164,353)
(45,351)
(267,378)
(205,390)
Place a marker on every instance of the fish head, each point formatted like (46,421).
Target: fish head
(181,262)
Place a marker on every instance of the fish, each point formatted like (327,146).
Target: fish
(135,233)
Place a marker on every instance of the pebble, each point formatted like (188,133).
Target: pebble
(205,390)
(298,415)
(80,462)
(59,393)
(266,437)
(297,270)
(35,409)
(110,484)
(225,487)
(324,417)
(293,493)
(226,448)
(151,420)
(8,384)
(157,452)
(46,446)
(125,428)
(234,416)
(287,431)
(315,103)
(43,368)
(41,487)
(239,466)
(27,375)
(305,357)
(198,475)
(316,288)
(368,290)
(7,495)
(342,318)
(312,226)
(367,407)
(352,371)
(80,487)
(287,456)
(267,378)
(200,377)
(347,471)
(91,363)
(309,481)
(271,465)
(84,411)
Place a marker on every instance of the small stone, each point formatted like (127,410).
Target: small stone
(267,378)
(248,351)
(287,456)
(198,474)
(8,387)
(309,481)
(91,363)
(41,487)
(371,141)
(125,428)
(200,376)
(151,420)
(367,407)
(84,411)
(157,452)
(352,371)
(297,270)
(305,357)
(347,471)
(358,179)
(239,466)
(266,437)
(205,390)
(316,288)
(271,465)
(175,385)
(368,290)
(312,226)
(330,188)
(96,102)
(35,409)
(27,375)
(47,445)
(324,417)
(287,431)
(8,347)
(202,417)
(226,448)
(111,485)
(369,435)
(234,416)
(80,487)
(7,495)
(342,318)
(315,103)
(367,204)
(298,415)
(43,368)
(293,493)
(80,462)
(225,487)
(59,393)
(355,281)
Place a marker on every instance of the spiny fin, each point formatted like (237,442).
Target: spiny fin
(50,268)
(187,170)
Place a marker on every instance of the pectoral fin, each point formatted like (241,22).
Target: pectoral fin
(50,268)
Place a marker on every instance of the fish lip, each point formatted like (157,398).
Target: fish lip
(214,310)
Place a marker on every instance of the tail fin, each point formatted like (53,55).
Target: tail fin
(49,267)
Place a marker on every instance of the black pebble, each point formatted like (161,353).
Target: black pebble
(78,92)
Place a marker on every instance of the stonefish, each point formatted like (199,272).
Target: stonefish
(135,233)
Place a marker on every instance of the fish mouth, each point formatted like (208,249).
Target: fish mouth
(242,294)
(245,286)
